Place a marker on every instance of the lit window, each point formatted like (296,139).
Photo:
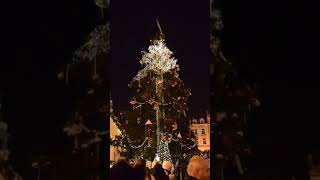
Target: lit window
(194,121)
(204,141)
(203,132)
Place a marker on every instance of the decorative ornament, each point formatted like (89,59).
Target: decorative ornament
(95,76)
(235,115)
(138,120)
(102,3)
(219,156)
(240,133)
(179,135)
(148,122)
(256,102)
(60,75)
(97,44)
(90,91)
(156,107)
(184,155)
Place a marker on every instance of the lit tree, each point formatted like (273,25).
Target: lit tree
(161,97)
(86,77)
(6,170)
(232,101)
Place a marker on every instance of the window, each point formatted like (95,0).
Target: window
(204,141)
(197,140)
(194,121)
(195,132)
(203,132)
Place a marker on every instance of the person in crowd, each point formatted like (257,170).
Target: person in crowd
(158,172)
(154,163)
(168,168)
(121,170)
(140,170)
(198,169)
(149,164)
(131,162)
(148,168)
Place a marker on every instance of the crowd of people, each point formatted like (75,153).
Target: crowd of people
(198,169)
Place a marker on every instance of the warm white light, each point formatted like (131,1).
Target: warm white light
(158,60)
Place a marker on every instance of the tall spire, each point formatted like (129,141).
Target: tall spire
(159,34)
(159,26)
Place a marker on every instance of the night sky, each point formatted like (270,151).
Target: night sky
(186,27)
(273,44)
(39,40)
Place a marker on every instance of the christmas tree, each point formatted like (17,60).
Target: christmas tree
(233,99)
(159,105)
(6,170)
(86,78)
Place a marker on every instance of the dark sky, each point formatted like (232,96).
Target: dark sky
(186,27)
(273,43)
(38,40)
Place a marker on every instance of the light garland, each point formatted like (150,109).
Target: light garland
(139,146)
(189,147)
(175,140)
(113,138)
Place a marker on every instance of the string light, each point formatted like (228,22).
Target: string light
(139,146)
(189,147)
(164,152)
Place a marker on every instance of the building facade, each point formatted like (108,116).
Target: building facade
(114,153)
(201,129)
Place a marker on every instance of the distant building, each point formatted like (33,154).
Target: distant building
(201,129)
(114,153)
(114,131)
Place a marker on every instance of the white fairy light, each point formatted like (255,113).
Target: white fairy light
(158,60)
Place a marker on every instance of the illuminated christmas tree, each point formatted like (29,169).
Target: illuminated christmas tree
(161,98)
(6,170)
(85,79)
(232,101)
